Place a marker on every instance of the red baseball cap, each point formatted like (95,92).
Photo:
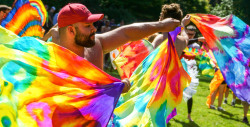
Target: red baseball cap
(76,12)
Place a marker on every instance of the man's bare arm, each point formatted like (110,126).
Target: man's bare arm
(115,38)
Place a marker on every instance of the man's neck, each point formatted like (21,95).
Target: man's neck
(79,50)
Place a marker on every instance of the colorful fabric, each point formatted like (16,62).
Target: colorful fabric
(131,56)
(26,18)
(127,57)
(215,83)
(206,67)
(192,52)
(43,84)
(157,86)
(171,115)
(203,58)
(115,53)
(229,40)
(209,53)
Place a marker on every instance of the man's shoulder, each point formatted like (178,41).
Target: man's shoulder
(98,43)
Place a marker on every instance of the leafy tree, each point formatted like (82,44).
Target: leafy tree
(241,9)
(237,7)
(7,2)
(146,10)
(222,9)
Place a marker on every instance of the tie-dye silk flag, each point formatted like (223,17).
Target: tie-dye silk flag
(133,53)
(157,86)
(204,58)
(26,18)
(43,84)
(206,66)
(229,40)
(131,56)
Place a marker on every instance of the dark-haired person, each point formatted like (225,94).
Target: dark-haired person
(194,42)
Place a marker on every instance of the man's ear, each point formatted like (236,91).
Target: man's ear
(71,30)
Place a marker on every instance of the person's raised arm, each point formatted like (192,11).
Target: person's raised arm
(115,38)
(49,33)
(184,37)
(182,40)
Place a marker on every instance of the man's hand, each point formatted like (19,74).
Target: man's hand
(169,24)
(127,85)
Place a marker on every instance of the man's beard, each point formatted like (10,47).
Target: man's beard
(84,40)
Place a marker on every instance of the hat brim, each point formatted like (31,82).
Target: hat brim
(94,18)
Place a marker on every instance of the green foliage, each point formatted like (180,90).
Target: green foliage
(241,9)
(223,9)
(119,14)
(7,2)
(149,10)
(146,10)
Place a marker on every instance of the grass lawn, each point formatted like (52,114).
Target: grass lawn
(202,116)
(205,117)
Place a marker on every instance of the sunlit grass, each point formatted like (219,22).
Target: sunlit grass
(205,117)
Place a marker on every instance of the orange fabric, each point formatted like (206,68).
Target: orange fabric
(215,83)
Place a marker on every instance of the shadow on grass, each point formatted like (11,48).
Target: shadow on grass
(184,124)
(227,116)
(226,113)
(236,106)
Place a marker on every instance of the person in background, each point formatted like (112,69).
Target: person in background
(194,42)
(4,10)
(106,27)
(226,95)
(98,25)
(174,11)
(112,22)
(121,23)
(245,110)
(55,18)
(51,15)
(219,90)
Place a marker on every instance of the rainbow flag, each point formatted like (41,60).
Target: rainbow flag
(229,40)
(157,86)
(26,18)
(43,84)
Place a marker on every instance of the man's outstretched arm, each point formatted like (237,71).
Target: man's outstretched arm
(136,31)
